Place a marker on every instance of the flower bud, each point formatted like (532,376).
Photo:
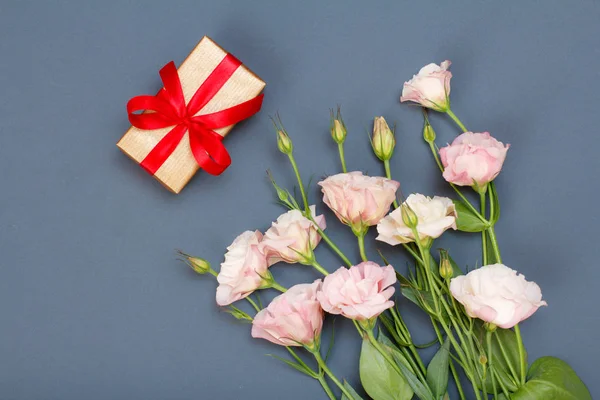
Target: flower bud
(199,265)
(428,133)
(238,314)
(409,218)
(383,140)
(446,271)
(284,143)
(483,359)
(337,127)
(281,193)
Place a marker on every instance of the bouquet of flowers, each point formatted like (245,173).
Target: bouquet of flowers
(475,315)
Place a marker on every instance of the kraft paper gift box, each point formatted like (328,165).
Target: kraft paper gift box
(237,88)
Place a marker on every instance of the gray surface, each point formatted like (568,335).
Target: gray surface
(93,304)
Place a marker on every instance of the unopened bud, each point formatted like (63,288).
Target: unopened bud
(383,140)
(337,127)
(281,194)
(199,265)
(428,133)
(238,314)
(446,271)
(409,218)
(483,359)
(284,143)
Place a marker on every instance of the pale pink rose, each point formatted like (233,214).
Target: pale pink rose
(496,294)
(430,87)
(435,215)
(360,292)
(243,270)
(473,158)
(294,318)
(358,200)
(292,238)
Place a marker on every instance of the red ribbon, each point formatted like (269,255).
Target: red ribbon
(170,110)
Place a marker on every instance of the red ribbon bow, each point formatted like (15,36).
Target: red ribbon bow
(170,110)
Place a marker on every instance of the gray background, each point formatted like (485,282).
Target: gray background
(93,303)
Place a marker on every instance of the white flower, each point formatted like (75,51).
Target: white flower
(497,294)
(244,269)
(292,238)
(435,215)
(430,87)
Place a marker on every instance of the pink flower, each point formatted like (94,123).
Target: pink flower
(244,269)
(496,294)
(359,201)
(294,318)
(361,292)
(435,216)
(430,87)
(292,238)
(473,159)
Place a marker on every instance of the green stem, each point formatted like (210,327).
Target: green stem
(502,386)
(319,268)
(463,348)
(516,377)
(302,192)
(326,369)
(522,355)
(488,338)
(361,247)
(483,233)
(342,159)
(213,272)
(326,387)
(277,286)
(494,243)
(456,120)
(461,393)
(330,243)
(256,307)
(388,174)
(406,336)
(434,151)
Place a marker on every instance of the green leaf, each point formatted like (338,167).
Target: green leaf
(416,385)
(403,280)
(467,220)
(494,204)
(502,339)
(550,378)
(455,268)
(355,396)
(379,379)
(422,391)
(422,299)
(437,371)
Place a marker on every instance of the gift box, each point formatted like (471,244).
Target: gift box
(180,130)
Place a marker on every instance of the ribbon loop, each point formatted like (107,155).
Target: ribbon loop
(168,108)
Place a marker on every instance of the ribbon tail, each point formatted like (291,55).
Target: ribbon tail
(209,152)
(167,145)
